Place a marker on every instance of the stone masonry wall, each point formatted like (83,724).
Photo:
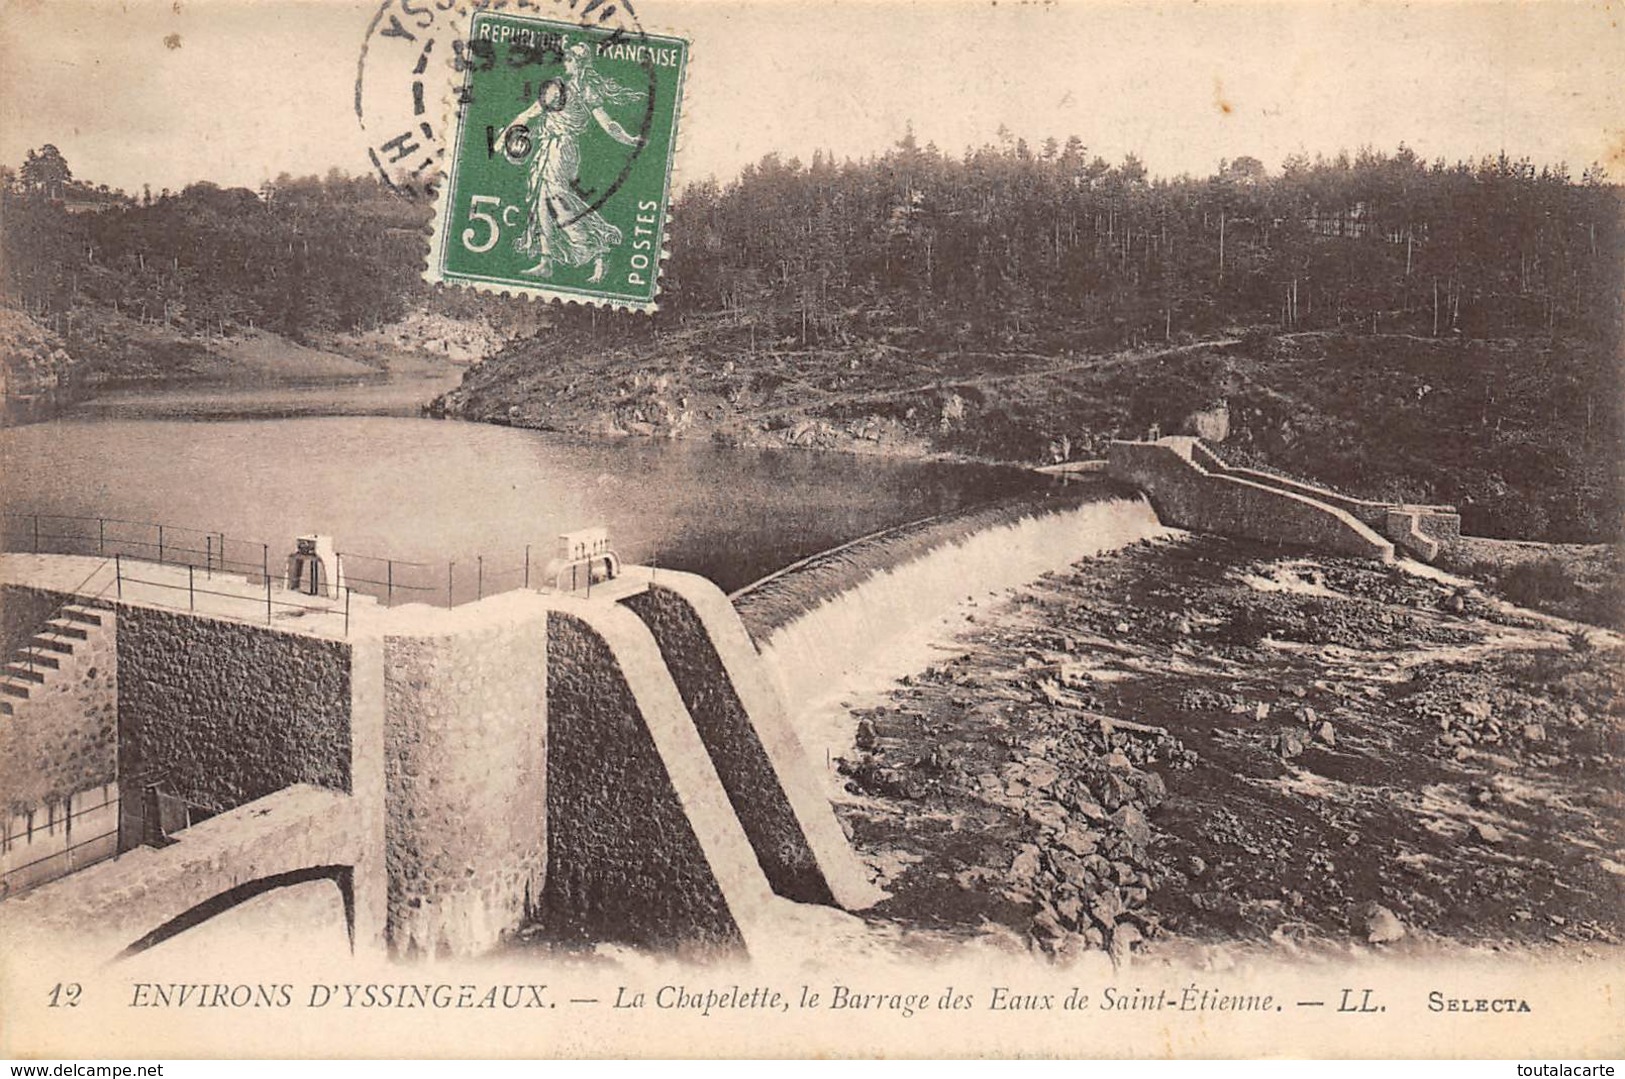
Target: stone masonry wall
(368,792)
(63,738)
(465,767)
(725,726)
(226,712)
(1417,528)
(1186,496)
(624,862)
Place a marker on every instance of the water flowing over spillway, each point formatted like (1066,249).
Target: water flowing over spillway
(823,623)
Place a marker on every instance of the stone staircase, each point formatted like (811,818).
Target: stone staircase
(30,668)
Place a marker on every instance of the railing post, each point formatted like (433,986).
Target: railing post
(449,567)
(160,544)
(479,577)
(265,571)
(346,610)
(389,583)
(191,587)
(36,533)
(527,565)
(118,576)
(267,599)
(208,555)
(101,535)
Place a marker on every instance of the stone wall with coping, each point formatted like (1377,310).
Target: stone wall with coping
(1419,529)
(1186,495)
(643,845)
(368,793)
(460,773)
(226,712)
(746,729)
(725,727)
(112,905)
(465,766)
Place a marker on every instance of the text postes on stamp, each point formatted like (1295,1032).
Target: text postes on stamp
(559,174)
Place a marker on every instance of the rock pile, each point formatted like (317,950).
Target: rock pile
(1468,717)
(1079,791)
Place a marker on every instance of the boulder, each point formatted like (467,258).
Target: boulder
(1047,926)
(1133,824)
(1124,937)
(1080,841)
(866,738)
(1040,773)
(1070,869)
(1024,866)
(1291,743)
(1379,924)
(1048,814)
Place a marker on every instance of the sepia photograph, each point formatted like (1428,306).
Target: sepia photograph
(763,529)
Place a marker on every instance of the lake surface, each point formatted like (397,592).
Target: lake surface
(436,491)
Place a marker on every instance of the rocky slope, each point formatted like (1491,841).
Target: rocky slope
(1200,740)
(1521,434)
(33,360)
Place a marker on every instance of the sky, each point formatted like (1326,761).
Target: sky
(237,91)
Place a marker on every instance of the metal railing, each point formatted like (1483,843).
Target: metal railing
(206,553)
(122,576)
(67,858)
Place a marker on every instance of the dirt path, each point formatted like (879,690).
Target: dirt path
(814,399)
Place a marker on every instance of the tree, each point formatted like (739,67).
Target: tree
(1243,170)
(46,172)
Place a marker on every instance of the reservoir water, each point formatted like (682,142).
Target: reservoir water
(436,491)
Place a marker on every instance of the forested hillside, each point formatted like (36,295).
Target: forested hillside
(139,285)
(1005,243)
(1398,327)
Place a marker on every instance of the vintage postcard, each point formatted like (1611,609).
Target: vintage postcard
(739,528)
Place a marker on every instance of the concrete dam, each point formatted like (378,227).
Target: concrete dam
(614,763)
(620,765)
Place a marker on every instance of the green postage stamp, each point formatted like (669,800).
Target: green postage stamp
(559,172)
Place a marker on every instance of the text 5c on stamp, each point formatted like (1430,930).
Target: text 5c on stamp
(561,158)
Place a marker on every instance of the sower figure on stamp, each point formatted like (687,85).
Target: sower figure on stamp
(562,227)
